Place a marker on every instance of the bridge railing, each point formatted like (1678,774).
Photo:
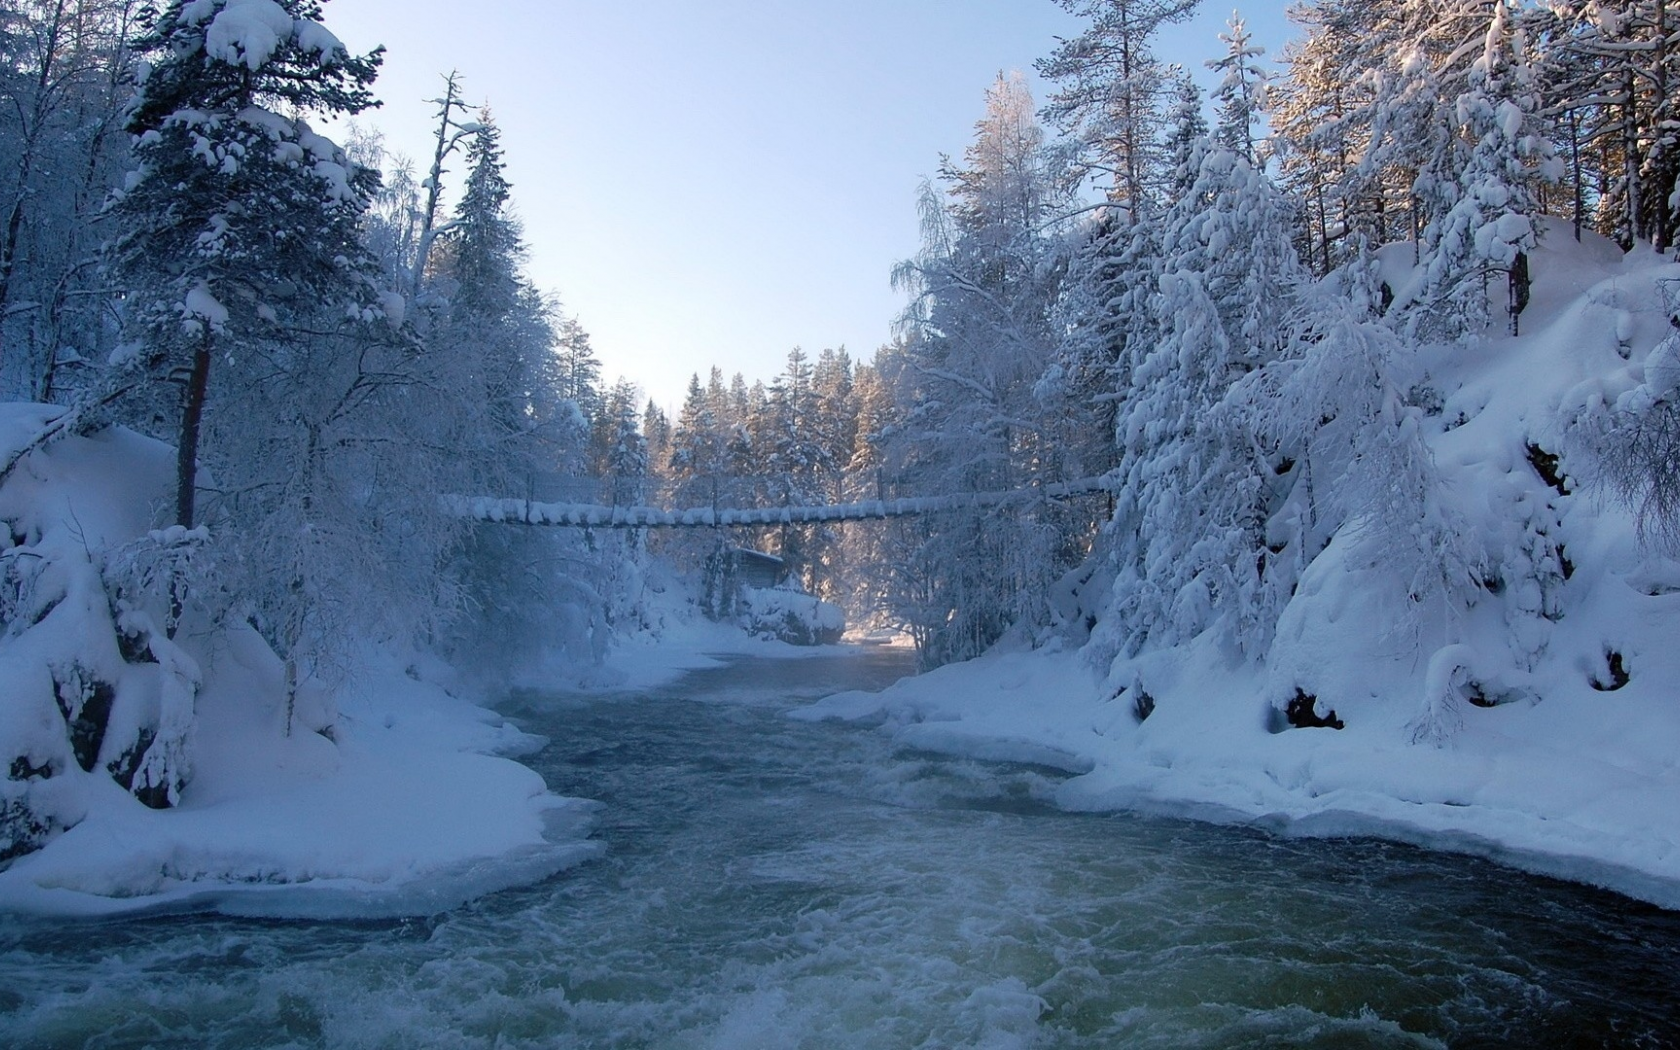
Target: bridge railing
(684,510)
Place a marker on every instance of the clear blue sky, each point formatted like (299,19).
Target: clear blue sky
(716,182)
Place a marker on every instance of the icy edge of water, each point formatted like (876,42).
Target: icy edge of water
(345,899)
(566,824)
(651,662)
(1641,884)
(1043,709)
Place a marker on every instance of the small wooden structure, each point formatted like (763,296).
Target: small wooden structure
(756,569)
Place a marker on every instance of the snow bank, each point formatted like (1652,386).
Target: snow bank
(1536,725)
(1520,784)
(408,811)
(147,770)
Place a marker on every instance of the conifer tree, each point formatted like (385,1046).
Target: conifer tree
(978,337)
(1190,519)
(1108,88)
(1240,99)
(499,329)
(237,218)
(1493,224)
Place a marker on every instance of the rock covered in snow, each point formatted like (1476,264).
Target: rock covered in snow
(790,616)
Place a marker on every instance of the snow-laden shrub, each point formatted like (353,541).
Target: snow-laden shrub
(1634,441)
(96,689)
(790,616)
(93,691)
(152,579)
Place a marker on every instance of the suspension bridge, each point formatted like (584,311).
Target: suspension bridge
(601,516)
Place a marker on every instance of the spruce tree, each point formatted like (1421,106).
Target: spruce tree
(1240,99)
(1493,223)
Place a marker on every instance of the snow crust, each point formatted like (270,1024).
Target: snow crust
(1504,730)
(390,797)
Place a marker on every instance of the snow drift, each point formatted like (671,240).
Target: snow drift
(150,758)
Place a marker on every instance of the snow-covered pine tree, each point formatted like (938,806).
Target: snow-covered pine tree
(1186,128)
(1240,98)
(511,413)
(237,219)
(619,450)
(834,434)
(1334,408)
(1369,110)
(1608,73)
(1101,314)
(1355,116)
(1493,223)
(656,430)
(498,330)
(979,337)
(578,370)
(870,549)
(697,448)
(1188,535)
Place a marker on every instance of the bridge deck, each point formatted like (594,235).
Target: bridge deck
(585,515)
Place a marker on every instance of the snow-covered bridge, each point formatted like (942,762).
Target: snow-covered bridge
(590,515)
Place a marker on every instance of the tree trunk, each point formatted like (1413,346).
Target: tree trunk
(446,141)
(1520,285)
(291,691)
(1630,163)
(192,412)
(1661,168)
(1580,206)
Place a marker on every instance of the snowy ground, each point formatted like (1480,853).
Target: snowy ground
(410,812)
(1514,785)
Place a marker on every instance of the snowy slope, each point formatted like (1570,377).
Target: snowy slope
(387,798)
(1537,724)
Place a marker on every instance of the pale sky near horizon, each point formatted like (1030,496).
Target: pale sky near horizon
(716,183)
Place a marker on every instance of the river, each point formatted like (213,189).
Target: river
(770,883)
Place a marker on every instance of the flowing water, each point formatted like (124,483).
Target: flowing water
(775,884)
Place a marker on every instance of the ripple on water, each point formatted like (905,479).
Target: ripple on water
(771,883)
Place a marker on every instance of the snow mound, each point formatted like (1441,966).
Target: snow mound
(791,616)
(149,767)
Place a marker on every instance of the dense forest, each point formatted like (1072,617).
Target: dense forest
(1232,330)
(1238,309)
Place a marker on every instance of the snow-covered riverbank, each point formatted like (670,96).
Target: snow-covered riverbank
(1532,717)
(412,808)
(1554,788)
(159,769)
